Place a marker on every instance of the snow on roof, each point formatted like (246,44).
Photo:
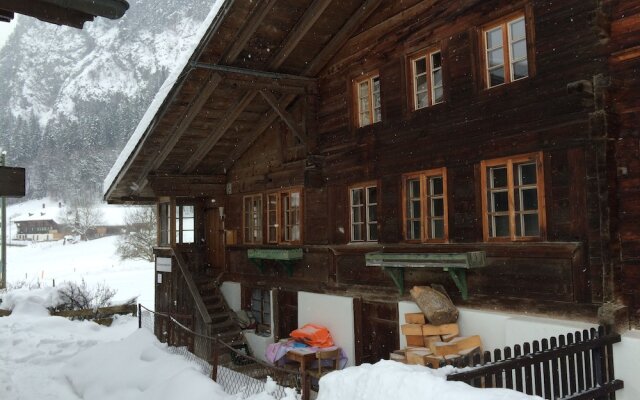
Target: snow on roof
(47,209)
(144,124)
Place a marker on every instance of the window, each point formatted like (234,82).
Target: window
(364,213)
(164,223)
(513,198)
(252,221)
(425,206)
(428,88)
(185,224)
(505,51)
(284,211)
(367,90)
(258,302)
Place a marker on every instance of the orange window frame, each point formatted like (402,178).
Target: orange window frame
(429,72)
(276,232)
(509,163)
(504,24)
(369,78)
(426,231)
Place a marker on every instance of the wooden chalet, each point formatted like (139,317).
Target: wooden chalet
(310,149)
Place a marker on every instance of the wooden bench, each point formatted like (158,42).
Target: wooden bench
(456,264)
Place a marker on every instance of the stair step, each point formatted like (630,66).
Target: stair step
(227,323)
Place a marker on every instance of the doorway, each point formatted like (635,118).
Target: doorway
(377,332)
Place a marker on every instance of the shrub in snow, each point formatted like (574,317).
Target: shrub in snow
(74,296)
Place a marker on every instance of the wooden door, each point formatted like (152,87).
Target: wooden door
(214,238)
(286,318)
(377,330)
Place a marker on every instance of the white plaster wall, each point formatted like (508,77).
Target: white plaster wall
(503,329)
(334,312)
(626,365)
(232,293)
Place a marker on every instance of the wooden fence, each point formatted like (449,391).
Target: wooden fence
(571,367)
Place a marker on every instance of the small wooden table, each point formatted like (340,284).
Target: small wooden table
(304,357)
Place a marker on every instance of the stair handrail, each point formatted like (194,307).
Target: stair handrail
(193,288)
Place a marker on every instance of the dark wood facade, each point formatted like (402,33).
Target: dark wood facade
(267,104)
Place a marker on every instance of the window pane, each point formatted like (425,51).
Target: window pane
(527,173)
(377,113)
(520,70)
(356,213)
(187,224)
(519,50)
(187,237)
(421,83)
(501,226)
(498,177)
(437,208)
(494,38)
(495,58)
(530,199)
(415,209)
(436,60)
(373,232)
(372,195)
(420,66)
(500,201)
(437,78)
(421,100)
(295,200)
(438,95)
(415,230)
(438,229)
(376,84)
(373,214)
(187,211)
(531,226)
(356,233)
(356,197)
(414,188)
(364,89)
(365,119)
(496,76)
(435,184)
(517,30)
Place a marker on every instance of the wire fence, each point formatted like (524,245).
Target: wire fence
(232,367)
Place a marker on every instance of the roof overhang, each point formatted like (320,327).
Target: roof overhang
(72,13)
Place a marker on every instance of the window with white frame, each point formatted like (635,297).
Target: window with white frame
(252,221)
(428,87)
(369,106)
(364,213)
(505,51)
(284,216)
(185,224)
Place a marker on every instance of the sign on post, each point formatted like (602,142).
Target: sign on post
(12,182)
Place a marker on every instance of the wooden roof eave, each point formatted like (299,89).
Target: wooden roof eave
(168,100)
(72,13)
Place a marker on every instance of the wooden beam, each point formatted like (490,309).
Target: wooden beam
(188,185)
(339,39)
(6,16)
(286,116)
(336,42)
(47,12)
(314,11)
(178,130)
(207,144)
(248,84)
(248,29)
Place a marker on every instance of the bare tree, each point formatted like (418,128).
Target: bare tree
(138,242)
(83,216)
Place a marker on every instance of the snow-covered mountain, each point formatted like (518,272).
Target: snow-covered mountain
(70,98)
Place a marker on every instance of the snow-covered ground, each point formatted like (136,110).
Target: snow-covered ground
(52,358)
(95,261)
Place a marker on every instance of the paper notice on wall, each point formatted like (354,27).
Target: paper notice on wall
(163,264)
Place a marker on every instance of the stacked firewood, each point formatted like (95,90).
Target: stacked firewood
(433,335)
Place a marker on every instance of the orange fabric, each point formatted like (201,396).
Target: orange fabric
(313,335)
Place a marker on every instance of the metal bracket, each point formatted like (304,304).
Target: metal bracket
(459,276)
(397,275)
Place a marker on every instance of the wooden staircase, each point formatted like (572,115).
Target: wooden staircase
(224,325)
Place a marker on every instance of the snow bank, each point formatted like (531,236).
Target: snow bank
(393,380)
(32,302)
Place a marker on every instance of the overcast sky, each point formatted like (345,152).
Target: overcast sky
(5,30)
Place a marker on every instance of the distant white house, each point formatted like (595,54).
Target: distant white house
(39,226)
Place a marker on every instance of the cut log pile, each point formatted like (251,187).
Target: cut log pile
(432,342)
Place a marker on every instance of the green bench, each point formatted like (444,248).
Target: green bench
(456,264)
